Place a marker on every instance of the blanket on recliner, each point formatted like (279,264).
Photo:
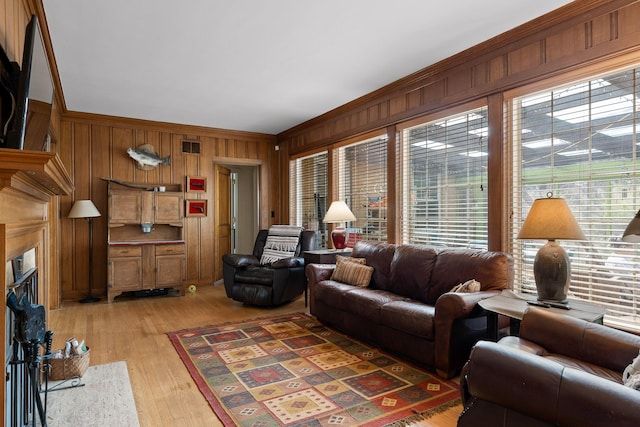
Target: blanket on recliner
(282,242)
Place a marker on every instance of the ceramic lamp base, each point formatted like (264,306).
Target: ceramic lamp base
(339,237)
(552,272)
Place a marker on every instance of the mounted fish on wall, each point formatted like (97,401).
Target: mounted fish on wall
(147,158)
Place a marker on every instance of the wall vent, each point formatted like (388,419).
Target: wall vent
(192,147)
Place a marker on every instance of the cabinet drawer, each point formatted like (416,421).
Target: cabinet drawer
(169,249)
(119,251)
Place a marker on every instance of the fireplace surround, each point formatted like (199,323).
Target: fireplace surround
(29,184)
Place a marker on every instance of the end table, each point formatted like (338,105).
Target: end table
(513,305)
(325,256)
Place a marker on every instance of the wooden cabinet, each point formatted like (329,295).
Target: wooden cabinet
(124,270)
(168,208)
(138,206)
(145,258)
(125,207)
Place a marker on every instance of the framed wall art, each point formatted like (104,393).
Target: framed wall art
(195,207)
(196,184)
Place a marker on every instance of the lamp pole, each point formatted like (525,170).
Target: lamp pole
(87,210)
(90,297)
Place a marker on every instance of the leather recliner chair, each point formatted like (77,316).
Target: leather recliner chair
(561,371)
(247,281)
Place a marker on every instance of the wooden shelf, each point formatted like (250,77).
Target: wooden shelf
(36,173)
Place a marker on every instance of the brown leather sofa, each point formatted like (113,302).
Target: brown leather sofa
(560,371)
(407,308)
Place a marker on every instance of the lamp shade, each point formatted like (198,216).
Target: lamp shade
(339,212)
(632,232)
(550,219)
(83,209)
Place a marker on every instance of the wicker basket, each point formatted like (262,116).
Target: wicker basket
(68,367)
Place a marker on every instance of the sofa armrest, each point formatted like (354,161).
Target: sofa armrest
(452,305)
(239,260)
(290,262)
(449,308)
(317,273)
(545,390)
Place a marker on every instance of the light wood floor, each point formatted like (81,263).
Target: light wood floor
(135,330)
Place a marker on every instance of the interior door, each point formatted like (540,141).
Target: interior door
(222,221)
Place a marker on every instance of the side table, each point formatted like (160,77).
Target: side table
(323,256)
(513,305)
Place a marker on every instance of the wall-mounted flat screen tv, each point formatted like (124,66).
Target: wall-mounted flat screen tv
(30,127)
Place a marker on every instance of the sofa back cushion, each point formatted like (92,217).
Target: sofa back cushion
(411,270)
(494,271)
(378,256)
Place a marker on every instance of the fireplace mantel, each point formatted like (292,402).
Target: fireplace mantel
(38,174)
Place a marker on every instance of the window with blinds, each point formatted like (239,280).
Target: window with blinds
(444,188)
(308,189)
(580,142)
(361,181)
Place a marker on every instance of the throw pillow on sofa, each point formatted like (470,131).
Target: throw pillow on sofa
(352,271)
(469,286)
(631,375)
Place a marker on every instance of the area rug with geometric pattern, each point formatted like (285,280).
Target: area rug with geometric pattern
(291,370)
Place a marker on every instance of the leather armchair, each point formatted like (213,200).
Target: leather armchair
(247,281)
(560,371)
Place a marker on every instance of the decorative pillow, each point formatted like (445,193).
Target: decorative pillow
(352,272)
(362,261)
(282,242)
(631,375)
(469,286)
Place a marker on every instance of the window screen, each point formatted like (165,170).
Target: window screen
(308,194)
(444,188)
(580,142)
(361,181)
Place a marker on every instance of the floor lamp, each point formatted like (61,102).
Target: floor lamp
(87,210)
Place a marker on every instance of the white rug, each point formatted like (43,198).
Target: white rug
(106,399)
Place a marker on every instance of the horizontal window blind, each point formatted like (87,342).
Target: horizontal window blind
(361,181)
(580,142)
(308,189)
(444,188)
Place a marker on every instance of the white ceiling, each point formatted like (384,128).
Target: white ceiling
(257,65)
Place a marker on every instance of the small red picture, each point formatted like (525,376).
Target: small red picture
(196,184)
(196,207)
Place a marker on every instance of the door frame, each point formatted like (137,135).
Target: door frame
(235,165)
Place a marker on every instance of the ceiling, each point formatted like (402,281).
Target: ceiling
(259,66)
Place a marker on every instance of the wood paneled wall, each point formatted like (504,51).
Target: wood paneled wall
(93,147)
(564,42)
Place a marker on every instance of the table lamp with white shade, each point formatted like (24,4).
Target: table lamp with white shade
(87,210)
(338,213)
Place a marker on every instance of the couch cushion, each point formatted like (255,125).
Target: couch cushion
(569,362)
(367,303)
(364,302)
(411,269)
(494,270)
(410,317)
(352,272)
(333,293)
(378,256)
